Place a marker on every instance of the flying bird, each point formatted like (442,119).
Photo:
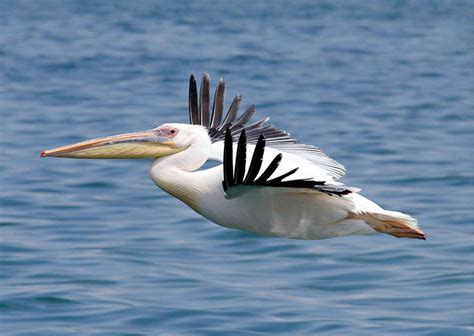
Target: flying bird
(267,183)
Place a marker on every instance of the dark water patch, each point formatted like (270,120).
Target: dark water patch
(429,75)
(89,282)
(9,223)
(93,185)
(16,248)
(55,300)
(12,202)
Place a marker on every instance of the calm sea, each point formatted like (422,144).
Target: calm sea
(93,247)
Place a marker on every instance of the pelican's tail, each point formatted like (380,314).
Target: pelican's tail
(394,223)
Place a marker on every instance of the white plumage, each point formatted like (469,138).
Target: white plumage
(278,186)
(298,213)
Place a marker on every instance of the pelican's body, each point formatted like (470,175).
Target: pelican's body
(281,212)
(277,188)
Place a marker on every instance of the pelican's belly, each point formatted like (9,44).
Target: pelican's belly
(281,212)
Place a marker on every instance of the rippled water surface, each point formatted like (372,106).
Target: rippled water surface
(93,247)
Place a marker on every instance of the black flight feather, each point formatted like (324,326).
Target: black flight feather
(278,179)
(240,160)
(243,119)
(270,169)
(228,165)
(256,162)
(204,100)
(218,106)
(302,183)
(193,102)
(232,113)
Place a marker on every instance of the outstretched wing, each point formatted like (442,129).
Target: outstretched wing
(251,173)
(200,113)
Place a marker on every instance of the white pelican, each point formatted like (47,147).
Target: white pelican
(277,187)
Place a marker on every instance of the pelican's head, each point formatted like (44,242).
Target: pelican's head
(164,140)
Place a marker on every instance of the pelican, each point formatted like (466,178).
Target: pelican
(267,182)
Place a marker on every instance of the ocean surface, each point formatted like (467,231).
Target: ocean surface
(95,248)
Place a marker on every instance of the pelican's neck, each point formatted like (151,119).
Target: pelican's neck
(176,174)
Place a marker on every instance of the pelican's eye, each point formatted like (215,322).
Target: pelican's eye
(169,132)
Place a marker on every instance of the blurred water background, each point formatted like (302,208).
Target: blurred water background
(93,247)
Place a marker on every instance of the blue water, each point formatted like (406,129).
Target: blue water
(93,247)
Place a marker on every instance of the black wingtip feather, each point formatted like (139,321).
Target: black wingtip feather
(278,179)
(243,119)
(218,106)
(193,102)
(228,165)
(204,100)
(240,160)
(232,113)
(270,169)
(256,162)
